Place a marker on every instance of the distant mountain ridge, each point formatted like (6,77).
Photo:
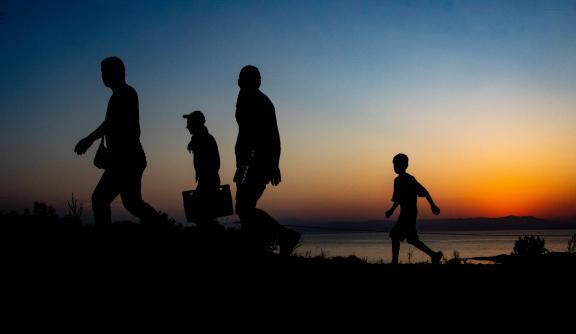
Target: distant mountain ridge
(452,224)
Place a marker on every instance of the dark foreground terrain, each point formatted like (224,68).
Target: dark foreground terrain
(127,266)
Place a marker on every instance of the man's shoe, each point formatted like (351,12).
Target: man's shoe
(288,242)
(437,257)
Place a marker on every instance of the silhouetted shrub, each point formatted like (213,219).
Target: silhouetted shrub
(41,210)
(456,259)
(75,209)
(529,246)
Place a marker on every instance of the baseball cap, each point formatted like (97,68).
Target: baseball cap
(196,116)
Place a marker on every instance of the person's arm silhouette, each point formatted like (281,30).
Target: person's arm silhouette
(423,192)
(392,209)
(435,209)
(84,144)
(276,177)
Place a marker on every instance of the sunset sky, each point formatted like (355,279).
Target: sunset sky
(481,95)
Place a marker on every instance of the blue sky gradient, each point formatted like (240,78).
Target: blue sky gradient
(463,87)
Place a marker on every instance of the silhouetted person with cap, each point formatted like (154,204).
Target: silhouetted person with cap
(406,193)
(206,163)
(257,161)
(126,159)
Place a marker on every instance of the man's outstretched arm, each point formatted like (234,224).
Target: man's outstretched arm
(276,147)
(84,144)
(392,209)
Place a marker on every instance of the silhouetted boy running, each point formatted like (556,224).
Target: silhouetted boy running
(257,161)
(126,159)
(406,193)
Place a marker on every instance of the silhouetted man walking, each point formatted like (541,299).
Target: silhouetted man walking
(205,150)
(206,164)
(257,160)
(126,160)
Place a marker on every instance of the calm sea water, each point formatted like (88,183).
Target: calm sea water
(376,247)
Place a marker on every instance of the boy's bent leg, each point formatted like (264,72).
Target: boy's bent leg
(435,256)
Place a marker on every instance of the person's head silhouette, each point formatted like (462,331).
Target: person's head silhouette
(113,72)
(249,77)
(195,121)
(400,162)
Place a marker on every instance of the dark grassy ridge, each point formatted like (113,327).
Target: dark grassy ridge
(66,242)
(45,259)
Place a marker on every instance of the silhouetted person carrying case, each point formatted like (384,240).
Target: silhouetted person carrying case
(125,159)
(206,164)
(257,161)
(406,193)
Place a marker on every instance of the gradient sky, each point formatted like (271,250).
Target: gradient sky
(479,94)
